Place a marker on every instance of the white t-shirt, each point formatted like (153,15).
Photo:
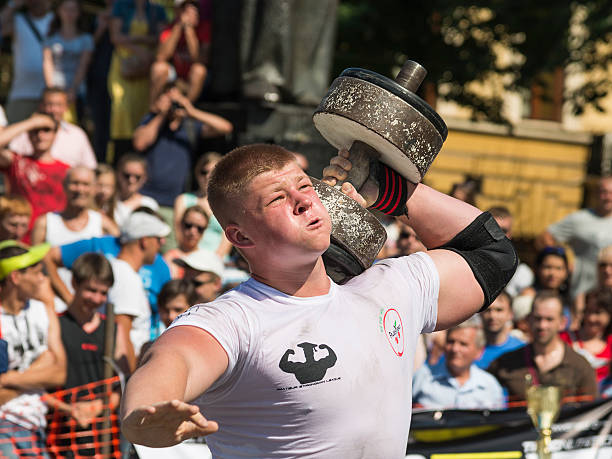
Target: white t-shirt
(326,376)
(26,334)
(122,212)
(59,234)
(129,297)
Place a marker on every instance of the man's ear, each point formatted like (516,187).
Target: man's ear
(237,237)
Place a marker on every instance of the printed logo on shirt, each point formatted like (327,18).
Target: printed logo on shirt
(310,370)
(394,330)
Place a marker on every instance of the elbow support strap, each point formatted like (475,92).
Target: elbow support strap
(488,252)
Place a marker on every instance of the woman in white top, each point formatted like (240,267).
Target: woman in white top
(131,176)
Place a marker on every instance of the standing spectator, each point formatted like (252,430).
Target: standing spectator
(71,145)
(39,177)
(458,383)
(77,220)
(593,340)
(214,238)
(183,51)
(586,231)
(98,97)
(204,270)
(168,138)
(66,55)
(134,28)
(547,359)
(15,213)
(105,197)
(497,322)
(27,23)
(193,226)
(131,176)
(36,356)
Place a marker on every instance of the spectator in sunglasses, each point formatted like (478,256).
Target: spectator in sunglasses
(205,271)
(38,178)
(192,227)
(131,176)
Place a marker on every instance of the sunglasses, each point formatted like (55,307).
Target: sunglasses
(127,176)
(189,226)
(46,129)
(404,235)
(199,283)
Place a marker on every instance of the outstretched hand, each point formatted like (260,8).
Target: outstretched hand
(338,169)
(166,424)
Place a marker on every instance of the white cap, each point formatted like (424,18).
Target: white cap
(142,224)
(202,260)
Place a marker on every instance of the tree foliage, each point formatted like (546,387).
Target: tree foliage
(457,43)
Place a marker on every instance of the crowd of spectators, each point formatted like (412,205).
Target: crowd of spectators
(123,221)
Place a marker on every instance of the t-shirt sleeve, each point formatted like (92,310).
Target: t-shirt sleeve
(125,297)
(564,229)
(224,321)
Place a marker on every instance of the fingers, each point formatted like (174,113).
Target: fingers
(349,190)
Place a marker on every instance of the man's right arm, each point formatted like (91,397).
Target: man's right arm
(183,363)
(52,261)
(7,17)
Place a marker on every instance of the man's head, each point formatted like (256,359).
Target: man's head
(204,269)
(597,318)
(464,344)
(15,213)
(268,205)
(92,277)
(21,268)
(204,167)
(79,187)
(546,318)
(498,317)
(605,195)
(42,138)
(504,219)
(175,297)
(146,231)
(408,242)
(37,8)
(54,101)
(604,267)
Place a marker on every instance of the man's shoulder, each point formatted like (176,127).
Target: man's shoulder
(574,359)
(72,130)
(510,360)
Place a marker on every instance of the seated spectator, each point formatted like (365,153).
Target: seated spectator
(131,176)
(71,144)
(214,238)
(38,178)
(458,382)
(77,220)
(205,270)
(183,51)
(153,276)
(593,339)
(67,53)
(193,226)
(36,356)
(15,213)
(523,276)
(497,324)
(105,197)
(168,138)
(547,359)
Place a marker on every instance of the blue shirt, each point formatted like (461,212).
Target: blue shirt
(153,276)
(492,351)
(435,388)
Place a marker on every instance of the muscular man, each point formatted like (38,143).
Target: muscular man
(289,347)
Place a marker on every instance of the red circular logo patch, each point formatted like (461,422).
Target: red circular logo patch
(394,330)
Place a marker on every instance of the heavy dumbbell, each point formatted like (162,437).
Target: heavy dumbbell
(376,119)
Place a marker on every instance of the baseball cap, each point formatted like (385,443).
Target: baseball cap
(142,224)
(33,255)
(202,260)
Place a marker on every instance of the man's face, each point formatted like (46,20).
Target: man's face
(546,320)
(171,310)
(55,104)
(151,247)
(14,226)
(131,177)
(505,223)
(460,349)
(79,187)
(29,281)
(408,242)
(207,286)
(605,195)
(41,139)
(496,316)
(91,294)
(604,271)
(283,217)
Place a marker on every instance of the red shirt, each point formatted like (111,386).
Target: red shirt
(41,183)
(181,59)
(600,362)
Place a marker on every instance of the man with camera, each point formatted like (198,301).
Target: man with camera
(168,136)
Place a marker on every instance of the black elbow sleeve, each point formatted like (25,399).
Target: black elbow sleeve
(488,252)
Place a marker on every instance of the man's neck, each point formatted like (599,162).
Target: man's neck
(43,157)
(85,317)
(10,301)
(461,376)
(304,281)
(132,256)
(553,346)
(497,338)
(73,212)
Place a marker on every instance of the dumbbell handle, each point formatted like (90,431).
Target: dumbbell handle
(410,77)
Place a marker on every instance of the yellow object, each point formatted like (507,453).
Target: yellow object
(437,435)
(31,257)
(492,455)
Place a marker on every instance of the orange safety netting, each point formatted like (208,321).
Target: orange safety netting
(80,423)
